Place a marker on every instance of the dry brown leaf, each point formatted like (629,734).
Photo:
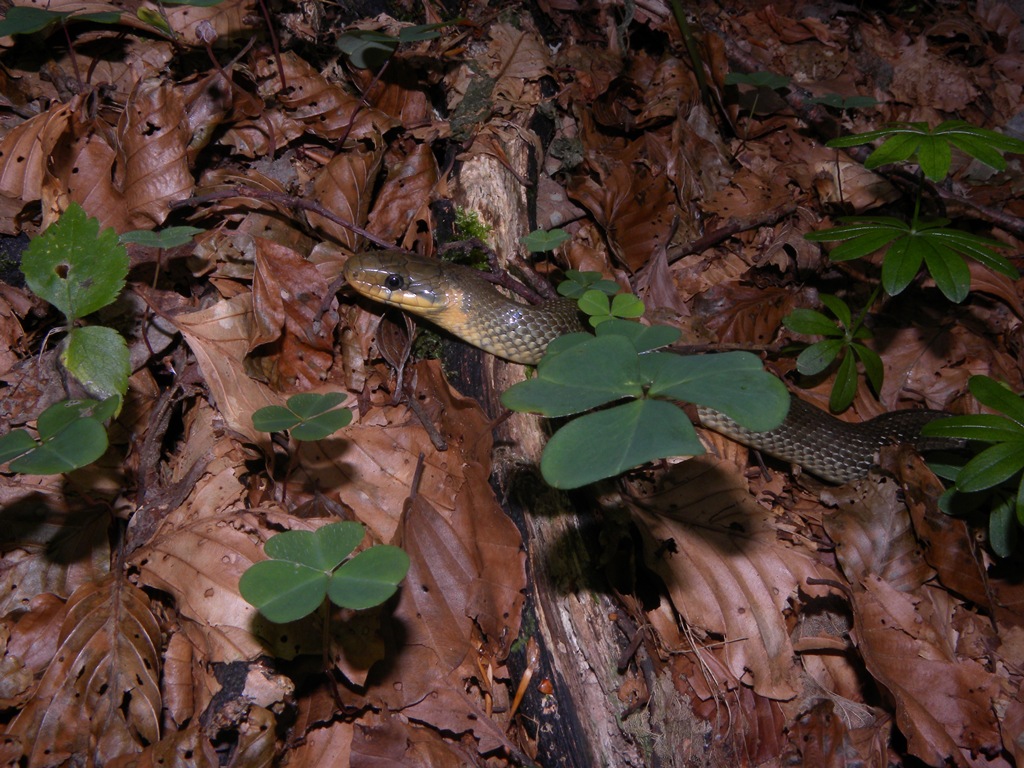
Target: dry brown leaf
(293,339)
(726,570)
(228,19)
(106,671)
(344,187)
(944,705)
(400,206)
(873,536)
(23,156)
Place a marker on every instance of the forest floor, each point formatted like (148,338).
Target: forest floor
(764,618)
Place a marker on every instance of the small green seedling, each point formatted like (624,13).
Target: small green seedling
(71,435)
(305,567)
(370,48)
(79,270)
(844,104)
(544,240)
(577,283)
(307,416)
(841,342)
(995,476)
(581,372)
(763,84)
(600,299)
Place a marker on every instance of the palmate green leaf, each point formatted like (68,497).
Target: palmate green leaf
(734,383)
(579,372)
(858,139)
(626,305)
(862,238)
(992,466)
(980,143)
(542,241)
(577,283)
(322,549)
(67,412)
(811,323)
(845,387)
(594,302)
(283,591)
(369,578)
(310,416)
(98,357)
(901,264)
(895,149)
(644,337)
(934,157)
(998,397)
(606,443)
(77,445)
(975,246)
(819,356)
(74,266)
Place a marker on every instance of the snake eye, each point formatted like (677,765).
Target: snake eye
(393,282)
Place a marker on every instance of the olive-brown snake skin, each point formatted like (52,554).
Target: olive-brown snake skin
(459,300)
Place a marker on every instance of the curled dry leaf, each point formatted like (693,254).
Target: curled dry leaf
(106,670)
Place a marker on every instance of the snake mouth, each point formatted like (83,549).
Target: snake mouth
(394,289)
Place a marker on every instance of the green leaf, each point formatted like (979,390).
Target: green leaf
(78,444)
(976,247)
(607,443)
(542,241)
(873,367)
(845,387)
(14,444)
(734,383)
(309,416)
(811,323)
(838,308)
(74,266)
(283,591)
(577,283)
(1003,529)
(274,418)
(819,356)
(992,466)
(172,237)
(595,371)
(369,578)
(626,305)
(934,157)
(322,426)
(594,302)
(950,272)
(982,427)
(418,32)
(98,357)
(366,48)
(996,396)
(644,337)
(901,265)
(322,549)
(25,20)
(857,139)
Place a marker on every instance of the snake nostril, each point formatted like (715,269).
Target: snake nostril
(393,282)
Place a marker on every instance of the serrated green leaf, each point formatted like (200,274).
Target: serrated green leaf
(369,578)
(604,444)
(74,266)
(77,445)
(593,372)
(283,591)
(992,466)
(26,20)
(996,396)
(734,383)
(14,444)
(811,323)
(172,237)
(845,387)
(819,356)
(901,265)
(98,357)
(542,241)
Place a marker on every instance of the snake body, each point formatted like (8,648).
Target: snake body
(459,300)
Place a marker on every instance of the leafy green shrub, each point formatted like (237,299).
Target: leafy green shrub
(993,478)
(841,343)
(922,241)
(305,567)
(581,373)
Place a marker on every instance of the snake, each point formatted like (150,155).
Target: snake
(460,300)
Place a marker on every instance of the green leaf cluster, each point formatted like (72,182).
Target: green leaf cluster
(370,48)
(71,435)
(995,476)
(79,270)
(940,248)
(581,373)
(308,416)
(307,566)
(577,283)
(841,343)
(931,147)
(544,240)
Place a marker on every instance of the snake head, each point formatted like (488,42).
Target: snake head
(415,285)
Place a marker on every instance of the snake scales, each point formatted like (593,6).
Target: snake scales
(459,300)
